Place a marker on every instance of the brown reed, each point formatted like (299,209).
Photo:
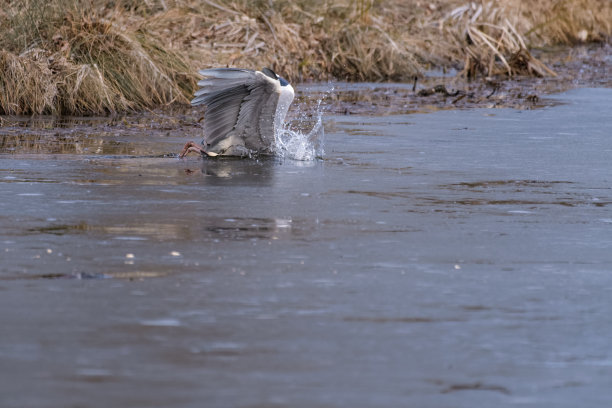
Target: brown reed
(98,56)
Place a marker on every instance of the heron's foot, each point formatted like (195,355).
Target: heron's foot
(191,147)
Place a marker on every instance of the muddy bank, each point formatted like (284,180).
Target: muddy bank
(577,67)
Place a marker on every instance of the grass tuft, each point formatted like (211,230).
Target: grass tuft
(86,64)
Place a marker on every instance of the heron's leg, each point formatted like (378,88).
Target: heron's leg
(191,147)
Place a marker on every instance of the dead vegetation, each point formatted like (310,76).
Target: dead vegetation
(97,56)
(62,61)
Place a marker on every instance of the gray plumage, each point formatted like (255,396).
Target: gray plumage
(244,110)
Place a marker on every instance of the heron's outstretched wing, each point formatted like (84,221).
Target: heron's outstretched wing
(240,108)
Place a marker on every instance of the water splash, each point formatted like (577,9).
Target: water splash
(293,143)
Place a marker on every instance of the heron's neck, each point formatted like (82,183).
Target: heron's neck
(284,100)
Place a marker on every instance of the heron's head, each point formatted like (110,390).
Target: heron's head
(273,75)
(283,81)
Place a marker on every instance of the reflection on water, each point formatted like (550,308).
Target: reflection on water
(110,136)
(201,228)
(54,122)
(59,143)
(230,171)
(250,228)
(130,275)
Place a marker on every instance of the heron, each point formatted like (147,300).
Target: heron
(245,110)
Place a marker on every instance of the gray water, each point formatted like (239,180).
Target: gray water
(451,259)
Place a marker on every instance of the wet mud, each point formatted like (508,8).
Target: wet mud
(575,68)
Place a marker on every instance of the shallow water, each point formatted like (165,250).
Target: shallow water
(451,259)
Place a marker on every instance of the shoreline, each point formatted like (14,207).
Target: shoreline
(577,67)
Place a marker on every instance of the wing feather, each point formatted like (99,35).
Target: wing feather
(256,119)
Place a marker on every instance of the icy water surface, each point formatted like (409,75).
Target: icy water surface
(452,259)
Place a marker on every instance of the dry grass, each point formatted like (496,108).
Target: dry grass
(96,56)
(495,37)
(63,62)
(488,42)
